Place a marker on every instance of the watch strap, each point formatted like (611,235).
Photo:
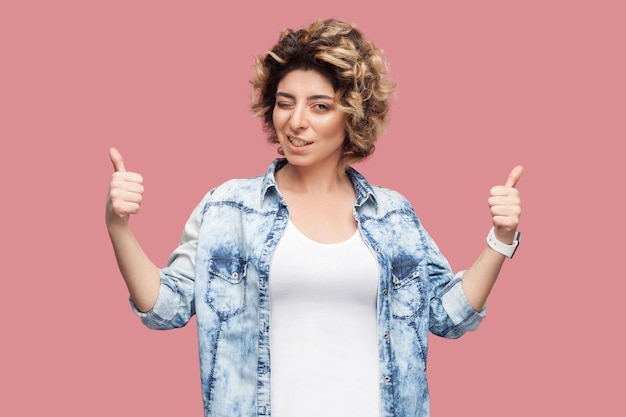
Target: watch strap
(503,248)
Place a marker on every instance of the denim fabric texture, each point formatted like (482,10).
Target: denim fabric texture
(220,273)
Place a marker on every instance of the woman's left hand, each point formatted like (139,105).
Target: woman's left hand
(505,206)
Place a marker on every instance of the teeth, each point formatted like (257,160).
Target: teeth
(297,142)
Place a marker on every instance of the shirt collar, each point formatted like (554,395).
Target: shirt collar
(362,187)
(269,181)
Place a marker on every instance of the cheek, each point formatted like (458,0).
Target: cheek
(277,120)
(335,128)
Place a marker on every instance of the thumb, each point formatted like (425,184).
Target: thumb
(116,159)
(514,176)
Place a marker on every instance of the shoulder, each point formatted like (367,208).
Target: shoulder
(390,199)
(382,198)
(239,191)
(247,191)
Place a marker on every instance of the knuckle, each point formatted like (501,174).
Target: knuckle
(114,194)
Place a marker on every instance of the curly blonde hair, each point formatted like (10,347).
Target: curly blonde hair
(352,64)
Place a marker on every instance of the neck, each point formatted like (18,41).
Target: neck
(313,180)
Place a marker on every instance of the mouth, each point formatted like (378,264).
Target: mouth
(298,143)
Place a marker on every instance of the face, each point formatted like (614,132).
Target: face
(309,126)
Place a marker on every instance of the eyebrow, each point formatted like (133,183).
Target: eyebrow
(309,98)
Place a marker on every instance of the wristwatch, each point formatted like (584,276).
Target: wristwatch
(503,248)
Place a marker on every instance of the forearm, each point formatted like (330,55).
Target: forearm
(505,206)
(481,277)
(141,275)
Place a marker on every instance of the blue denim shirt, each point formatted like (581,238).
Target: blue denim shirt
(220,273)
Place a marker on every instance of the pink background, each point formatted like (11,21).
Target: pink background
(483,85)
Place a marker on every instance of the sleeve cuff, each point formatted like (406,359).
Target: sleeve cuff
(164,310)
(457,305)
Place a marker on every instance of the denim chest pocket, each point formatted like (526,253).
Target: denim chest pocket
(226,290)
(407,291)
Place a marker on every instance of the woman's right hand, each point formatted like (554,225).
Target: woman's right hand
(125,195)
(125,192)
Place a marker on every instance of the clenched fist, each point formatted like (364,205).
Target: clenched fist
(505,206)
(125,191)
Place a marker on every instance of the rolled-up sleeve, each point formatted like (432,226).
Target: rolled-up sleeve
(451,313)
(175,303)
(458,307)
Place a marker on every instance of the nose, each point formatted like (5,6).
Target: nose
(298,119)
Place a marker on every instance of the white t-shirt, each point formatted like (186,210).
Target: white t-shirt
(323,339)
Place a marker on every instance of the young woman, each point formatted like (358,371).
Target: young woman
(314,291)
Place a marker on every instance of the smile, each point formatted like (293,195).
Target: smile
(297,142)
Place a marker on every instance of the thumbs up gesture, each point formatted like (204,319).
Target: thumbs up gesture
(125,191)
(505,205)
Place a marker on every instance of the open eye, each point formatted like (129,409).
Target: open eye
(321,106)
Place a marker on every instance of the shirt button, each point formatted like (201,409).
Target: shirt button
(385,291)
(386,336)
(387,379)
